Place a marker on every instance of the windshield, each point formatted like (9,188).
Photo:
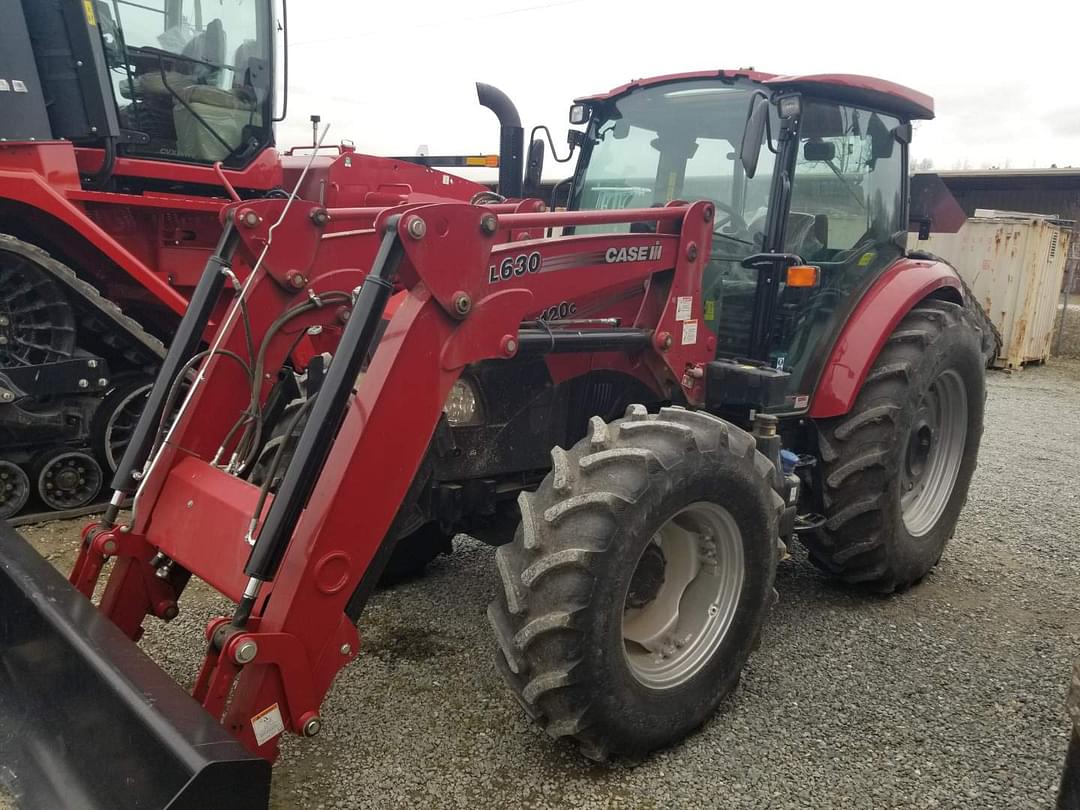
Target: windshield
(679,141)
(193,76)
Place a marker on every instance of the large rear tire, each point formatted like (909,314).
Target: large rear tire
(896,469)
(638,581)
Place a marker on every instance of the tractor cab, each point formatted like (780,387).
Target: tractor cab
(192,81)
(809,179)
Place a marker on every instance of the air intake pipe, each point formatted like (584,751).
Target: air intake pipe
(511,138)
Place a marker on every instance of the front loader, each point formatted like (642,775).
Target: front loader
(708,381)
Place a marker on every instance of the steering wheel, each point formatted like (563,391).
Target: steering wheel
(733,218)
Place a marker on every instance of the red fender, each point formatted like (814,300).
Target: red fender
(903,285)
(39,174)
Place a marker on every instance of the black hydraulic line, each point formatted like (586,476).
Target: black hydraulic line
(559,341)
(328,409)
(184,344)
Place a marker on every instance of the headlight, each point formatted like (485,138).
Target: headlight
(463,404)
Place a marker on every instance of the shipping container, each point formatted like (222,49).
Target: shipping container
(1013,263)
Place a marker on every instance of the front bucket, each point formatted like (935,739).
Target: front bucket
(87,720)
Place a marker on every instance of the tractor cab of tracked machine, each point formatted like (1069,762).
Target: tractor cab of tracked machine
(191,81)
(809,178)
(176,80)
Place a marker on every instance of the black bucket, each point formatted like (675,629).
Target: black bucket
(87,720)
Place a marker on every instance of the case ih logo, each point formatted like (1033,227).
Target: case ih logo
(643,253)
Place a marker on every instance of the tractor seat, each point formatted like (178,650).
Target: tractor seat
(227,111)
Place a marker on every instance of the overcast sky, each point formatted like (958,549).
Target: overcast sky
(393,76)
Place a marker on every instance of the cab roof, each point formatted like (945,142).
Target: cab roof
(843,87)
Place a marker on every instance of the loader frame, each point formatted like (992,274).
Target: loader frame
(473,275)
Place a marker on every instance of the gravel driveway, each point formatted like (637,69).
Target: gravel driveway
(950,695)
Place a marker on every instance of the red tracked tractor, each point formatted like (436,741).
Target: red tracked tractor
(125,129)
(653,402)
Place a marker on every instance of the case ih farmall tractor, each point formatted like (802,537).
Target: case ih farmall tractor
(125,129)
(656,401)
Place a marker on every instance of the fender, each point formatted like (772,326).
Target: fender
(896,292)
(32,187)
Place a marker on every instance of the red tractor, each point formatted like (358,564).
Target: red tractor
(641,412)
(125,130)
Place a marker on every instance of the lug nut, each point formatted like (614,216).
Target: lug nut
(246,652)
(102,382)
(84,383)
(416,227)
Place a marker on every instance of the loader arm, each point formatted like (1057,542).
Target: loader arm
(300,562)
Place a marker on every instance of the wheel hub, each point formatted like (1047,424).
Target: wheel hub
(648,577)
(683,595)
(14,489)
(935,449)
(922,438)
(69,480)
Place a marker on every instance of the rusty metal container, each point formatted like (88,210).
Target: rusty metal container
(1014,264)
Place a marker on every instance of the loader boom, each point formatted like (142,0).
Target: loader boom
(469,278)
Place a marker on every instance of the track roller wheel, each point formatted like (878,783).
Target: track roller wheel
(14,489)
(68,479)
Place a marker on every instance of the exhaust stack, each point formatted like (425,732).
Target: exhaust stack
(511,138)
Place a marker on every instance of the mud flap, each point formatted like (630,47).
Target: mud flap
(87,720)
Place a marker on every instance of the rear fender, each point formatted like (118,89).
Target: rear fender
(899,289)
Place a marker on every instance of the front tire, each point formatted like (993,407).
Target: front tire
(673,513)
(896,469)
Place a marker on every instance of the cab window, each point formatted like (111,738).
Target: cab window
(193,77)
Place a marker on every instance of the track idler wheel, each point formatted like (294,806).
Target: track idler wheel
(68,479)
(116,417)
(14,489)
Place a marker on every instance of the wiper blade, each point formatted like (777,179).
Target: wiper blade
(734,238)
(161,53)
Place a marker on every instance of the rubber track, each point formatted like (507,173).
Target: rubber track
(84,290)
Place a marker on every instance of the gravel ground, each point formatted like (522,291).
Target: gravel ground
(1069,343)
(950,695)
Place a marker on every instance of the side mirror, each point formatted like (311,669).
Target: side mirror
(534,168)
(754,135)
(882,139)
